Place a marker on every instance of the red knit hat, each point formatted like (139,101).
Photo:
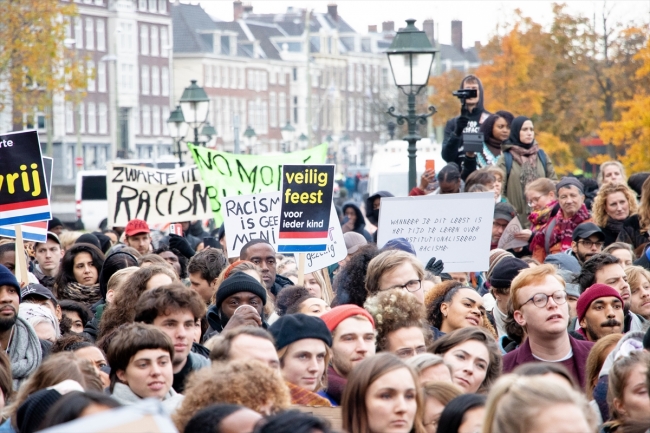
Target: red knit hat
(591,294)
(338,314)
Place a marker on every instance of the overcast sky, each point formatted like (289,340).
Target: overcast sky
(480,18)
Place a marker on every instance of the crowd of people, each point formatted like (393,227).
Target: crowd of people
(552,338)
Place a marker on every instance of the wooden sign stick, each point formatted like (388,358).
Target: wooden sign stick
(301,269)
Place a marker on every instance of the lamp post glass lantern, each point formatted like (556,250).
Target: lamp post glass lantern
(287,132)
(251,138)
(178,130)
(195,105)
(410,56)
(208,132)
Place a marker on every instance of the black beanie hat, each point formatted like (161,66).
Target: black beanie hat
(89,238)
(32,412)
(9,279)
(505,271)
(293,327)
(240,282)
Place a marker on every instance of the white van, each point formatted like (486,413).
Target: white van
(90,198)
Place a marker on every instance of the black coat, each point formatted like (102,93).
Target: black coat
(631,233)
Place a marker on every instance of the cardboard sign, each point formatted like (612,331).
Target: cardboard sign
(456,228)
(235,174)
(507,240)
(335,250)
(248,217)
(156,196)
(23,191)
(306,207)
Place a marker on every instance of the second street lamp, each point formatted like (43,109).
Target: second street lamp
(287,132)
(410,56)
(178,130)
(195,105)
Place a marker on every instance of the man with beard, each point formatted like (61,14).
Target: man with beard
(17,338)
(588,240)
(600,312)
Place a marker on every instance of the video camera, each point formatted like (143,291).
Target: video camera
(465,94)
(472,142)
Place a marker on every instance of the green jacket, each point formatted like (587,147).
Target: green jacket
(513,190)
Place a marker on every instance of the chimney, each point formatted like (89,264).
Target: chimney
(372,28)
(237,10)
(457,35)
(477,45)
(248,8)
(388,26)
(332,11)
(428,28)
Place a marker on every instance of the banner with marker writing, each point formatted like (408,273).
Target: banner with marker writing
(230,174)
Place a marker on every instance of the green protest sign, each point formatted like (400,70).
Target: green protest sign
(232,174)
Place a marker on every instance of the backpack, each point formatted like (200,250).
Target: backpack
(508,157)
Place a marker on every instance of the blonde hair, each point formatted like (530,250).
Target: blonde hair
(496,171)
(514,403)
(442,391)
(323,280)
(599,209)
(634,275)
(322,381)
(425,360)
(531,276)
(387,261)
(542,185)
(619,375)
(596,359)
(604,165)
(118,278)
(68,238)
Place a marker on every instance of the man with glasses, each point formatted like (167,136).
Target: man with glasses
(588,240)
(539,301)
(395,269)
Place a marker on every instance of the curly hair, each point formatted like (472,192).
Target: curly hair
(249,383)
(289,299)
(182,260)
(392,310)
(644,207)
(440,293)
(349,284)
(600,202)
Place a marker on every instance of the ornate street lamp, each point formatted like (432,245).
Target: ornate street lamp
(410,56)
(287,132)
(251,138)
(208,132)
(303,141)
(178,131)
(195,105)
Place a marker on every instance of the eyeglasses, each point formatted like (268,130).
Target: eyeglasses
(590,244)
(534,200)
(411,286)
(541,299)
(496,224)
(409,352)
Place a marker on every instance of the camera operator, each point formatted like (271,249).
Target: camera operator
(471,117)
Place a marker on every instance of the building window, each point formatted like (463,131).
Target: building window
(78,33)
(295,109)
(207,70)
(282,109)
(126,37)
(142,5)
(351,111)
(164,41)
(101,77)
(295,74)
(350,78)
(90,34)
(216,76)
(90,73)
(103,119)
(144,79)
(92,118)
(153,7)
(165,116)
(272,75)
(69,117)
(251,85)
(233,78)
(164,81)
(225,79)
(162,6)
(144,40)
(82,117)
(146,120)
(154,41)
(265,81)
(241,74)
(135,121)
(359,85)
(101,35)
(127,83)
(359,115)
(273,110)
(155,81)
(282,79)
(68,28)
(155,120)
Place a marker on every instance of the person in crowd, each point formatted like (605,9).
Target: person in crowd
(536,404)
(317,283)
(542,202)
(399,320)
(122,308)
(137,235)
(607,269)
(240,301)
(89,238)
(68,238)
(382,395)
(527,162)
(572,294)
(77,313)
(373,204)
(174,257)
(437,396)
(77,279)
(499,176)
(42,320)
(77,404)
(472,116)
(503,214)
(8,256)
(48,257)
(588,240)
(635,182)
(450,306)
(621,250)
(639,280)
(224,418)
(496,130)
(353,340)
(114,262)
(502,275)
(353,241)
(557,235)
(481,177)
(611,172)
(613,204)
(563,261)
(38,294)
(204,268)
(600,312)
(635,227)
(141,357)
(155,260)
(235,267)
(245,343)
(295,421)
(249,383)
(430,368)
(349,284)
(473,356)
(55,226)
(395,269)
(627,395)
(303,344)
(464,413)
(297,299)
(175,310)
(6,381)
(596,359)
(354,221)
(546,369)
(539,306)
(449,180)
(83,348)
(262,254)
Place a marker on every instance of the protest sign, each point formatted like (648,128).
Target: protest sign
(508,240)
(335,250)
(306,207)
(248,217)
(155,195)
(235,174)
(456,228)
(23,192)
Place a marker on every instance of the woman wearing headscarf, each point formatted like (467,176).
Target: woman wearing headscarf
(496,131)
(523,162)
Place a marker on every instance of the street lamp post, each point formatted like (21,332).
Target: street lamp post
(251,138)
(287,132)
(178,130)
(195,105)
(410,56)
(208,132)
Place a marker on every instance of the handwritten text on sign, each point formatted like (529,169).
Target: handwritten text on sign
(456,228)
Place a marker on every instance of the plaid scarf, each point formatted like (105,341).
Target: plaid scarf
(539,218)
(304,397)
(564,227)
